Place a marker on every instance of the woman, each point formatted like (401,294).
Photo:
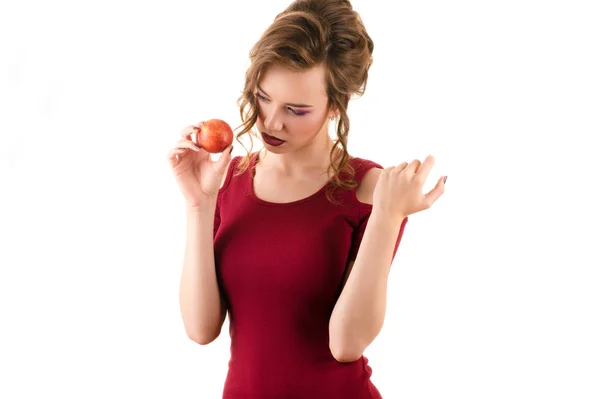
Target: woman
(295,241)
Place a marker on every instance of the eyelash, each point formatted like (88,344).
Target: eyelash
(297,113)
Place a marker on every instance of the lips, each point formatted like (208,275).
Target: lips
(271,140)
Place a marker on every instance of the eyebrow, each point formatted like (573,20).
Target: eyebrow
(290,104)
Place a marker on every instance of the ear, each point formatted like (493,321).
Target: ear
(333,113)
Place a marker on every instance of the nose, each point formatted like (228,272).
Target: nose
(272,121)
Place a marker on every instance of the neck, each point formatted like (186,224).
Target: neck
(314,156)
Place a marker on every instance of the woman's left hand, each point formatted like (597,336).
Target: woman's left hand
(399,190)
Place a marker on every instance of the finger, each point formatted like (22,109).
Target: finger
(401,166)
(425,168)
(387,170)
(183,144)
(413,166)
(220,166)
(187,132)
(173,156)
(435,193)
(175,151)
(173,161)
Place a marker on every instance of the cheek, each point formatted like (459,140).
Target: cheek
(261,113)
(309,124)
(305,126)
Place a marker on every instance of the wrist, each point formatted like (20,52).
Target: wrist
(206,206)
(386,218)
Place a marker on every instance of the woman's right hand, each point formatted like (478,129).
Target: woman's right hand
(198,176)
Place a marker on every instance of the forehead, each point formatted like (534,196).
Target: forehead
(285,85)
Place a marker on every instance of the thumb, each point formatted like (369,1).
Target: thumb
(435,192)
(223,161)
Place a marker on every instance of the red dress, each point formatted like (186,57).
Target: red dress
(280,267)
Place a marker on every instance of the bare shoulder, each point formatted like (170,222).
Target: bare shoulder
(364,191)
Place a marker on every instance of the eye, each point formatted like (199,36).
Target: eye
(264,99)
(298,113)
(261,98)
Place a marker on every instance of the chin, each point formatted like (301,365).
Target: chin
(275,150)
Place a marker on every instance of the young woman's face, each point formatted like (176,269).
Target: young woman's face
(292,108)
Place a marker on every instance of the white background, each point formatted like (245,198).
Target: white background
(494,292)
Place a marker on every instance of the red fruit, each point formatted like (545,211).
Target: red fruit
(214,136)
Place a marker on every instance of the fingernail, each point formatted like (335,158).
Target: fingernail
(231,149)
(445,177)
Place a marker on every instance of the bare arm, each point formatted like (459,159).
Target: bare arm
(359,313)
(201,303)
